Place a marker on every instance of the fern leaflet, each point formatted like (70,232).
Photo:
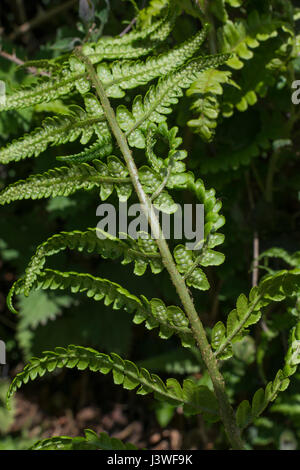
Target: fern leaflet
(194,399)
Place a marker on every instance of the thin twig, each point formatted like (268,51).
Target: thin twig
(132,22)
(13,58)
(255,271)
(128,27)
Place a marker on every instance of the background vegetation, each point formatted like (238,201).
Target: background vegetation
(241,131)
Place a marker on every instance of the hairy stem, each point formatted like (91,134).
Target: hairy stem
(226,411)
(255,273)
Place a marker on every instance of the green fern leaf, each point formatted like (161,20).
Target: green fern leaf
(141,251)
(173,160)
(64,181)
(206,89)
(245,314)
(272,288)
(184,260)
(158,100)
(135,44)
(153,9)
(45,89)
(55,131)
(91,441)
(194,399)
(188,263)
(244,35)
(170,320)
(246,413)
(292,260)
(120,76)
(72,74)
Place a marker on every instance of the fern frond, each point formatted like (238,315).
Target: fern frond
(292,260)
(205,90)
(135,44)
(241,36)
(42,64)
(188,263)
(152,32)
(194,399)
(247,313)
(246,413)
(67,180)
(64,181)
(120,76)
(170,320)
(141,251)
(258,76)
(44,90)
(168,172)
(90,441)
(55,131)
(272,288)
(158,100)
(179,179)
(64,79)
(174,156)
(279,286)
